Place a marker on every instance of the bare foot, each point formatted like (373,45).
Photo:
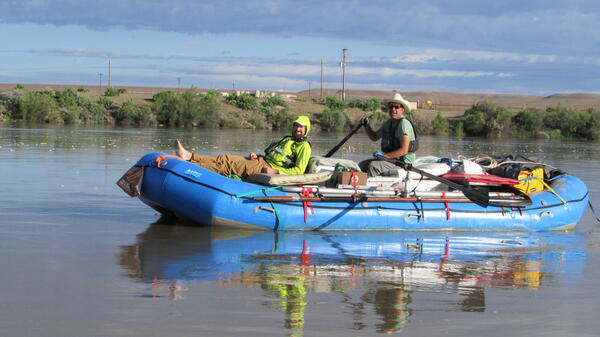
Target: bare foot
(181,151)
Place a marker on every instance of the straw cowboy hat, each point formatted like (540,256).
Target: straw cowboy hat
(397,98)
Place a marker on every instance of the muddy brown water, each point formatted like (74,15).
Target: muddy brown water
(80,258)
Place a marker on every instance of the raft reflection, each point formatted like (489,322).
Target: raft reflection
(386,268)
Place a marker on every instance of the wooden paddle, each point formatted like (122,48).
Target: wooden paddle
(337,147)
(481,199)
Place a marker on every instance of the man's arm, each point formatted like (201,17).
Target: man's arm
(373,135)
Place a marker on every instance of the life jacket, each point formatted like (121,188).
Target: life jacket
(392,143)
(283,152)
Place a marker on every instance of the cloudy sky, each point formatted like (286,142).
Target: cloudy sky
(483,46)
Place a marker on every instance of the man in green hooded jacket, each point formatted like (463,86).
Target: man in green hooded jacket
(289,155)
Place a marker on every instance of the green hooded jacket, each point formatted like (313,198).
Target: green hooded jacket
(288,155)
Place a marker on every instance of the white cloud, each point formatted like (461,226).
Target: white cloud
(418,73)
(446,55)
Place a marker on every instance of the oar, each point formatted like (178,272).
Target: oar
(480,198)
(337,147)
(514,201)
(358,198)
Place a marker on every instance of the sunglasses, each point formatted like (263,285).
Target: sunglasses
(395,106)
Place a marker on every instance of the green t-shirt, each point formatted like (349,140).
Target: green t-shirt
(391,138)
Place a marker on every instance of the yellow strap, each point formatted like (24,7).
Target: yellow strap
(551,190)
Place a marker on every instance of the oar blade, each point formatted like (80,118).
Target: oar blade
(478,197)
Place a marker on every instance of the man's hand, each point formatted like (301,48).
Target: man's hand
(364,121)
(269,170)
(252,156)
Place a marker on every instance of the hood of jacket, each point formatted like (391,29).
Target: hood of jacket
(304,121)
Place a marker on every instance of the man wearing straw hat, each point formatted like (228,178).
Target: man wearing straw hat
(398,138)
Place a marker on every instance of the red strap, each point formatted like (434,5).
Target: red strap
(304,257)
(354,180)
(306,191)
(446,206)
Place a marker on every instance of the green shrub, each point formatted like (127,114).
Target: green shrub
(370,105)
(486,119)
(440,125)
(528,120)
(75,115)
(474,124)
(281,119)
(107,103)
(274,101)
(186,108)
(69,97)
(111,92)
(243,101)
(593,124)
(332,120)
(10,102)
(97,112)
(38,106)
(130,113)
(571,123)
(459,129)
(334,104)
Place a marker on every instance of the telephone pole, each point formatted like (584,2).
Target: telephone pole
(321,97)
(109,73)
(100,81)
(343,65)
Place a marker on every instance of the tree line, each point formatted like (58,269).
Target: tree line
(190,108)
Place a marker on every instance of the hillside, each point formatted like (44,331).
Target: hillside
(579,101)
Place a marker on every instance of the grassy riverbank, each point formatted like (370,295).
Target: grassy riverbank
(559,116)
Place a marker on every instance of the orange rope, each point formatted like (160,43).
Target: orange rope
(159,159)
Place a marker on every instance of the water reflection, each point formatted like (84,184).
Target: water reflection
(386,269)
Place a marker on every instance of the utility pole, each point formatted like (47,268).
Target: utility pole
(178,83)
(100,81)
(309,94)
(343,65)
(321,96)
(109,73)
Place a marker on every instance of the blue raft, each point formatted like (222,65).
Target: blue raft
(176,187)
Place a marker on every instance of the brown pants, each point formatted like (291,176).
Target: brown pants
(227,164)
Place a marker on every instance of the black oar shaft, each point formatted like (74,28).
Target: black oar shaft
(337,147)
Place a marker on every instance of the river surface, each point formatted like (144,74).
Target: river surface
(80,258)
